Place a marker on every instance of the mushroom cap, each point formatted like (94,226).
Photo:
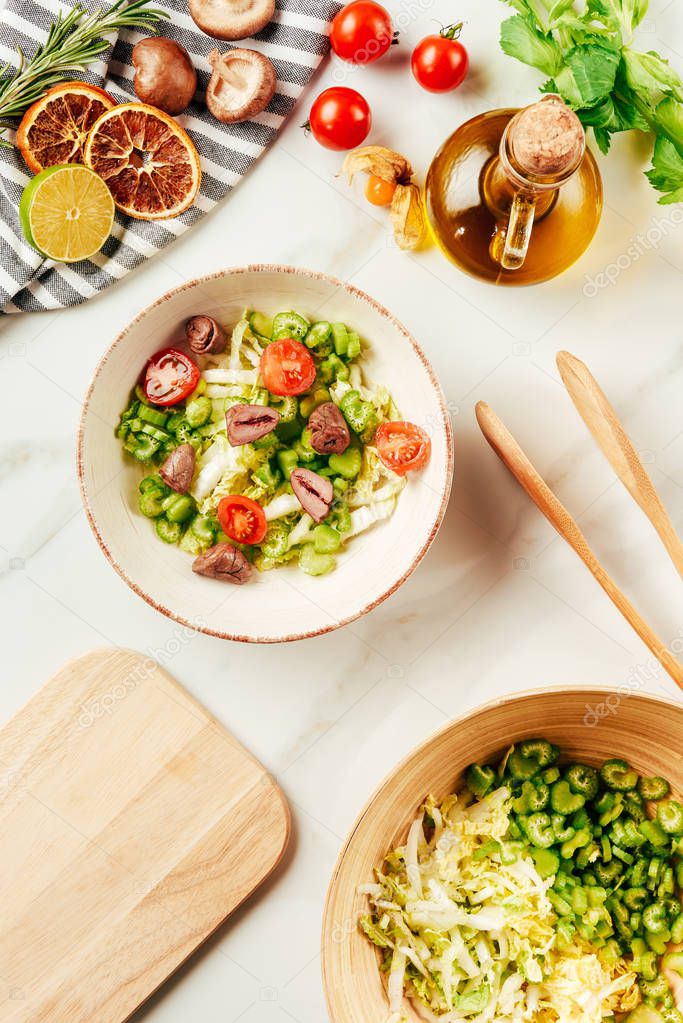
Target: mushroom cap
(241,85)
(164,74)
(231,19)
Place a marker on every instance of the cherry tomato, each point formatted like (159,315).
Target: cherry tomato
(361,32)
(287,367)
(170,376)
(242,519)
(340,118)
(402,446)
(378,191)
(440,62)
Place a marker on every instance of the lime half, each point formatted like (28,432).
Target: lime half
(67,212)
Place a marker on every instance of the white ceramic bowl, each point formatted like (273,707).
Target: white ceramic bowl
(284,604)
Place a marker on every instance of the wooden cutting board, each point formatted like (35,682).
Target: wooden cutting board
(131,825)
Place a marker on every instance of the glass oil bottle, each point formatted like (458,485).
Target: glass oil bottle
(514,196)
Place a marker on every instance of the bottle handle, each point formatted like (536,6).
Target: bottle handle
(518,232)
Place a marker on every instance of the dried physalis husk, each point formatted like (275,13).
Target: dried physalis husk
(407,216)
(384,163)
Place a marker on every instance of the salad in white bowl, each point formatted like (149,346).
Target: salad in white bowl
(265,443)
(222,393)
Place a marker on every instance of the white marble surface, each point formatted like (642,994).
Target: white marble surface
(499,604)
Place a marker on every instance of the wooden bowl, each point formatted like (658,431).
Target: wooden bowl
(588,724)
(284,604)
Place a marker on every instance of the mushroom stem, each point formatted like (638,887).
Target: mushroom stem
(233,95)
(226,73)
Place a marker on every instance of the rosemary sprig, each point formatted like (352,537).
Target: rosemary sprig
(75,40)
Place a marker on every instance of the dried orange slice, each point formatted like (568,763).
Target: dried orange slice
(148,162)
(54,128)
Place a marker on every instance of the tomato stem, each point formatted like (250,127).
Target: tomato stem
(306,127)
(451,31)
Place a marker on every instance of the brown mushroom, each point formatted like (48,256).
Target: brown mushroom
(205,336)
(231,19)
(329,432)
(247,423)
(178,469)
(314,493)
(223,562)
(242,84)
(164,74)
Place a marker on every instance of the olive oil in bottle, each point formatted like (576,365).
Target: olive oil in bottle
(514,196)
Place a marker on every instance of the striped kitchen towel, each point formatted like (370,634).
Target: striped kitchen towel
(296,41)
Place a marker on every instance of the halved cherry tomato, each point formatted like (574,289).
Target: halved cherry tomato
(361,32)
(378,191)
(242,519)
(402,446)
(287,367)
(170,376)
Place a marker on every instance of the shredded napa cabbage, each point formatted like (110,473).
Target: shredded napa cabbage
(222,470)
(338,389)
(466,930)
(282,505)
(244,345)
(374,494)
(301,531)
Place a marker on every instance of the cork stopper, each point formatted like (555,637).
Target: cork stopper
(547,139)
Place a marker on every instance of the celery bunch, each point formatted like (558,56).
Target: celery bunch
(589,58)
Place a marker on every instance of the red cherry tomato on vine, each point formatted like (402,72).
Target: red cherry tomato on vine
(361,32)
(340,118)
(170,376)
(242,519)
(440,62)
(287,367)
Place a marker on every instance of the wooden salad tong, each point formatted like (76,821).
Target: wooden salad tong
(597,413)
(608,431)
